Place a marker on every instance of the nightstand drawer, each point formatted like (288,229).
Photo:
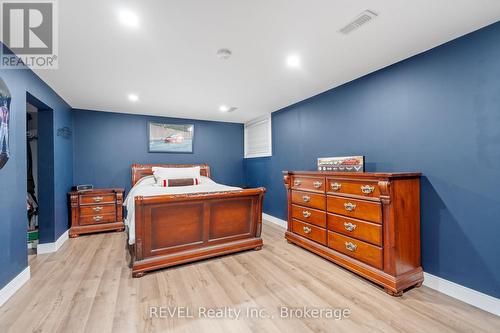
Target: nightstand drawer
(97,210)
(361,209)
(367,253)
(309,199)
(362,230)
(96,219)
(309,231)
(97,199)
(309,215)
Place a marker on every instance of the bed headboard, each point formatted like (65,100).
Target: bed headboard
(142,170)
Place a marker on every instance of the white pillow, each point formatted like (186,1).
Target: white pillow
(176,173)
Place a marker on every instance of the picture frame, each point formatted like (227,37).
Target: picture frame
(342,164)
(5,115)
(170,138)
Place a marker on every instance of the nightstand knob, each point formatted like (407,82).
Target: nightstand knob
(98,199)
(306,213)
(307,230)
(97,218)
(306,198)
(296,182)
(97,209)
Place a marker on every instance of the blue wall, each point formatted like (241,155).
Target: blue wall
(107,144)
(438,113)
(13,218)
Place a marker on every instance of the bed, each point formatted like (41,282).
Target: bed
(176,225)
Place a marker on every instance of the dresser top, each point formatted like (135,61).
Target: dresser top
(356,174)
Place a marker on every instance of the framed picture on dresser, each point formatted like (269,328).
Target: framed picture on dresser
(170,138)
(342,164)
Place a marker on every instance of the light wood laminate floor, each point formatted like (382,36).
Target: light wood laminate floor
(87,287)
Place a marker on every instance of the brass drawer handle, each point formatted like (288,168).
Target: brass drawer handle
(98,199)
(335,186)
(297,182)
(307,230)
(349,206)
(306,198)
(317,184)
(367,189)
(306,213)
(97,209)
(350,246)
(97,218)
(349,226)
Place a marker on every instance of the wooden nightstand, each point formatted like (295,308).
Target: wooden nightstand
(96,210)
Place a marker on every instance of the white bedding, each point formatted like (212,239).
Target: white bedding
(146,187)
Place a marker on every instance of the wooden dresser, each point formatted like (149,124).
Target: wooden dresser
(368,223)
(96,210)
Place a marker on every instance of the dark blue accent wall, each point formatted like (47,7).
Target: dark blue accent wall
(107,144)
(438,113)
(13,219)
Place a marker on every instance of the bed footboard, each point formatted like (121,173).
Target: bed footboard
(176,229)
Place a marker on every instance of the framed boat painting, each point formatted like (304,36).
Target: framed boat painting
(171,138)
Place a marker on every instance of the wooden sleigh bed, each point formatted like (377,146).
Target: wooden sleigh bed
(181,228)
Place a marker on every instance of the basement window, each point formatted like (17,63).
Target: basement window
(258,137)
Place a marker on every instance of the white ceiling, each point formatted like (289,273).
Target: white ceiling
(169,59)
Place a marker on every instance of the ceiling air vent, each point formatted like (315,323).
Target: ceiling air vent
(361,19)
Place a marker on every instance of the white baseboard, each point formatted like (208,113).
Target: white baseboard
(467,295)
(43,248)
(470,296)
(14,285)
(275,220)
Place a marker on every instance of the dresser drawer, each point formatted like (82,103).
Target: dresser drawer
(309,199)
(96,219)
(362,230)
(309,231)
(97,210)
(316,184)
(309,215)
(97,199)
(365,210)
(367,253)
(362,188)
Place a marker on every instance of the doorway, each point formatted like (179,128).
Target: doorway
(32,175)
(40,140)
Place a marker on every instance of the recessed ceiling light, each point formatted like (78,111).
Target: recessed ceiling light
(293,61)
(128,18)
(227,109)
(133,97)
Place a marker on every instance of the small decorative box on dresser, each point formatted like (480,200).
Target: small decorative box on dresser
(368,223)
(96,210)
